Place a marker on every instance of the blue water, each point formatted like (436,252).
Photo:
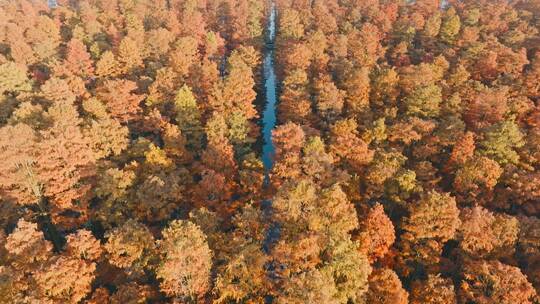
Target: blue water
(269,114)
(269,123)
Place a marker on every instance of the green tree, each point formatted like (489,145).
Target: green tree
(500,142)
(188,117)
(13,78)
(424,101)
(451,24)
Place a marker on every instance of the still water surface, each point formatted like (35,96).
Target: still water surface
(269,114)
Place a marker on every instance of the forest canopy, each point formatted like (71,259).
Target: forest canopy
(405,145)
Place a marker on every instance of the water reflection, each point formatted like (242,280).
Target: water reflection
(269,114)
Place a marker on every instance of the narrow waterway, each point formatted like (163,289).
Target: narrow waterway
(269,114)
(268,124)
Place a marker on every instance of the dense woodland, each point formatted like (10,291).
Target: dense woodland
(406,168)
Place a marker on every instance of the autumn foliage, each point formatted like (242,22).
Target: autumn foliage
(405,149)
